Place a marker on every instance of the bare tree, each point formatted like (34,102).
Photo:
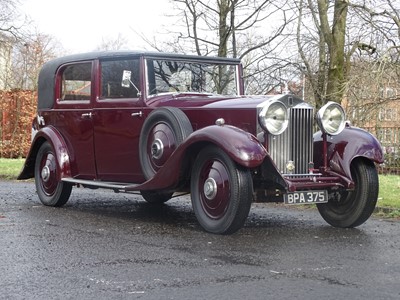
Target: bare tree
(374,85)
(331,38)
(382,17)
(10,32)
(247,29)
(25,58)
(334,36)
(321,38)
(117,43)
(9,18)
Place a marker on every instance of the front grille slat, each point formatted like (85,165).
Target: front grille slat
(296,143)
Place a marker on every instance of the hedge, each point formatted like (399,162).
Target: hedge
(17,110)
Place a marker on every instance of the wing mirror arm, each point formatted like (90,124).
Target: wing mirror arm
(136,88)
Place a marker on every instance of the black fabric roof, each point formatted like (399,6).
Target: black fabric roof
(46,82)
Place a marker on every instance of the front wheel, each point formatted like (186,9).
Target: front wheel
(221,191)
(353,208)
(51,191)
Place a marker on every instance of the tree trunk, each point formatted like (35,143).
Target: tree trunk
(224,29)
(337,71)
(334,37)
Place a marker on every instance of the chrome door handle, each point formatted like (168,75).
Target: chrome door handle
(137,114)
(87,115)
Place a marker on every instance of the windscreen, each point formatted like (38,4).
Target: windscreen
(166,76)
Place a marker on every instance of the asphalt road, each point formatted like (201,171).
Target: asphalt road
(103,245)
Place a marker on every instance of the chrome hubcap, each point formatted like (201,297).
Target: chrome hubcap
(157,149)
(210,188)
(45,173)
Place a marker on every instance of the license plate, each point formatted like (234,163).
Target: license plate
(306,197)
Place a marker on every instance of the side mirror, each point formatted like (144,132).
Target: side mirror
(127,82)
(126,79)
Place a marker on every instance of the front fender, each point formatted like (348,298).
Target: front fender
(51,135)
(343,148)
(240,145)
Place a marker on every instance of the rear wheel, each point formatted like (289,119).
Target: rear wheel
(221,191)
(353,208)
(51,191)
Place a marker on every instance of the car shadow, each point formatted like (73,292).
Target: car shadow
(272,219)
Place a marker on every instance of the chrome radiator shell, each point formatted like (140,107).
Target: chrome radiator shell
(292,151)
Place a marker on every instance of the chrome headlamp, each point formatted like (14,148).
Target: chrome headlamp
(331,118)
(274,117)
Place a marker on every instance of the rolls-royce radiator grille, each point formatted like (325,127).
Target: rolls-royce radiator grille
(294,148)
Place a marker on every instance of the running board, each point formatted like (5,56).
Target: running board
(116,186)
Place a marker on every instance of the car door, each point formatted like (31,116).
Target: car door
(118,120)
(72,116)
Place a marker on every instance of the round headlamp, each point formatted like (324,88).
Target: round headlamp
(331,118)
(274,117)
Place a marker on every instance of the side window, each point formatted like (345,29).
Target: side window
(76,82)
(119,78)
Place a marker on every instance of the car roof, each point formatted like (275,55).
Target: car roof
(46,81)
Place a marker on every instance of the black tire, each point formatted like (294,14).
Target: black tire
(221,191)
(156,197)
(353,208)
(163,131)
(50,190)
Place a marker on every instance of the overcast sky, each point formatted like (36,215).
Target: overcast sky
(80,25)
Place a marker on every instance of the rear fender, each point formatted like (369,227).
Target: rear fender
(241,146)
(343,148)
(51,135)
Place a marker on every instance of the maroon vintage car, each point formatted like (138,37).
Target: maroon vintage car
(166,124)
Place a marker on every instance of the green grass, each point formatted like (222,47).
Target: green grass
(388,192)
(10,168)
(389,188)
